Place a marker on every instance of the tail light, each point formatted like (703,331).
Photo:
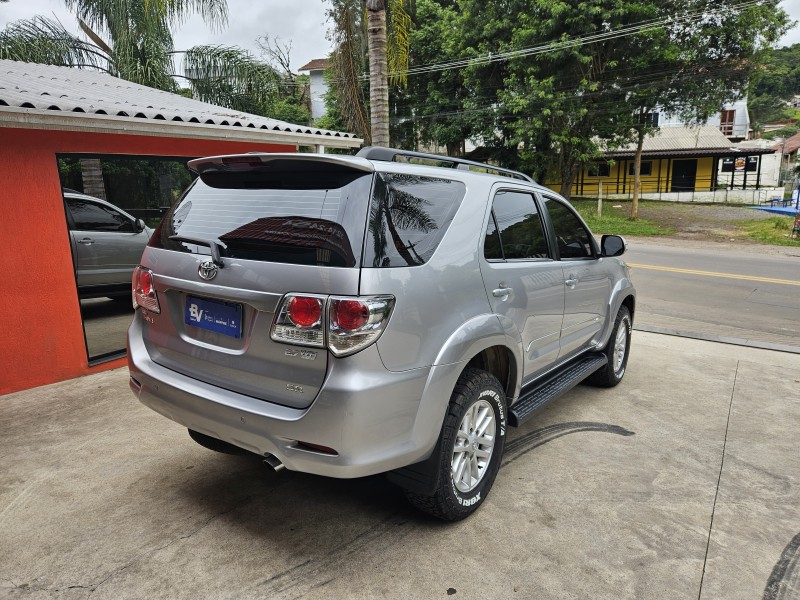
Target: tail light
(355,323)
(299,321)
(350,324)
(144,292)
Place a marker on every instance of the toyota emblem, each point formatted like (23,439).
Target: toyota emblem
(207,270)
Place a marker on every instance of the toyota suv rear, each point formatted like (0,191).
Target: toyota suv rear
(347,316)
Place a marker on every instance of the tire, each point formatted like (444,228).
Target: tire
(212,443)
(478,401)
(617,351)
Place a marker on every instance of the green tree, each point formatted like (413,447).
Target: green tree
(773,85)
(435,100)
(704,59)
(132,39)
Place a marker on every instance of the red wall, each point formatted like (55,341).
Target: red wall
(41,340)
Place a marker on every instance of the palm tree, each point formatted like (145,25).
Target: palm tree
(132,39)
(385,38)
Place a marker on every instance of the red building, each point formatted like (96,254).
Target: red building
(46,111)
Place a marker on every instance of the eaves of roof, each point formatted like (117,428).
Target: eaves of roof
(316,64)
(80,98)
(691,153)
(31,118)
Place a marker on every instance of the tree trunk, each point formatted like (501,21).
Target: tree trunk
(378,77)
(567,178)
(637,178)
(92,173)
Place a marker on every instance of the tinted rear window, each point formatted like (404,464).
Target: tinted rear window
(318,222)
(409,216)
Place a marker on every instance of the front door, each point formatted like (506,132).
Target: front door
(684,174)
(524,282)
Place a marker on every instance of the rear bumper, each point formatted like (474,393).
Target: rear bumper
(377,420)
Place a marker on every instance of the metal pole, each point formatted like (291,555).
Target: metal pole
(600,200)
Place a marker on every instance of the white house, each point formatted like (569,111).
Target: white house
(733,121)
(316,69)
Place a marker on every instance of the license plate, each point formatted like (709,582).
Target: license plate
(213,315)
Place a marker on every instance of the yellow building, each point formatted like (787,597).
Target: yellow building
(675,159)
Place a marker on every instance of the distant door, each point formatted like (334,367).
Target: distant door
(684,174)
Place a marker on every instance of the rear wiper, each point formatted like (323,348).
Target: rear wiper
(214,245)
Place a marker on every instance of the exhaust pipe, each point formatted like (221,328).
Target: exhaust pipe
(272,461)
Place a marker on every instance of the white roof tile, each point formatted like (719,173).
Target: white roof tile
(47,87)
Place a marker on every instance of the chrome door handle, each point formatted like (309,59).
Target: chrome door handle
(570,282)
(501,292)
(86,241)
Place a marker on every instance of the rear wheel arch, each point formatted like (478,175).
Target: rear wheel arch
(500,362)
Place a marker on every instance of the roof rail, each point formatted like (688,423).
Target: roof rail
(389,154)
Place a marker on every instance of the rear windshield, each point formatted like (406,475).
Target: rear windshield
(320,222)
(408,218)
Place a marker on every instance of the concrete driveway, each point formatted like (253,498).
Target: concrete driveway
(683,482)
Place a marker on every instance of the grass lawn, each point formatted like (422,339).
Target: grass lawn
(617,220)
(775,231)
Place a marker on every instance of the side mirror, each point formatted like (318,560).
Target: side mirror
(140,225)
(613,245)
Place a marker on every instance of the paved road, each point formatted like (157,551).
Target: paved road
(719,294)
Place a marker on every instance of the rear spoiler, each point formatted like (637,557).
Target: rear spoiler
(282,162)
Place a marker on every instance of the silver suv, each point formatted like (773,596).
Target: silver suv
(347,316)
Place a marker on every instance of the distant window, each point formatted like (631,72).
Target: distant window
(726,121)
(650,119)
(598,170)
(645,169)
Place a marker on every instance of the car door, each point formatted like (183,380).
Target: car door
(106,243)
(524,282)
(586,278)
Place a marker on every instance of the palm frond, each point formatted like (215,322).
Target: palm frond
(398,27)
(45,41)
(347,62)
(230,77)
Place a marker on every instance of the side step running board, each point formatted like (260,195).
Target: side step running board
(532,399)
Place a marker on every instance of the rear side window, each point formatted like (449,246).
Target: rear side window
(408,217)
(297,218)
(515,230)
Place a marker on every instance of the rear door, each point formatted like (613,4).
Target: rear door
(587,281)
(290,226)
(524,282)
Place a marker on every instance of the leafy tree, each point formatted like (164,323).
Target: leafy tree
(774,84)
(705,59)
(435,100)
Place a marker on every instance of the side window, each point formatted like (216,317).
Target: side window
(88,216)
(572,238)
(519,226)
(409,216)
